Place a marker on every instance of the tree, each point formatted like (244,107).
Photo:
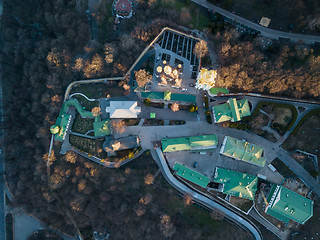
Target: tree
(94,66)
(142,77)
(96,111)
(70,157)
(166,226)
(148,179)
(175,107)
(118,126)
(201,49)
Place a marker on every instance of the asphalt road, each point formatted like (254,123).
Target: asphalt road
(266,32)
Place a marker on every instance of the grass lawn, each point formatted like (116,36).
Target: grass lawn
(306,137)
(99,90)
(82,125)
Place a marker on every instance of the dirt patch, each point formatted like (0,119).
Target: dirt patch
(282,116)
(306,138)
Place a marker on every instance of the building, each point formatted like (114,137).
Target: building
(191,175)
(123,109)
(206,79)
(111,145)
(169,96)
(242,150)
(236,183)
(122,8)
(196,143)
(284,205)
(232,110)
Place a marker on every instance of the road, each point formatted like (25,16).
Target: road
(2,160)
(159,158)
(265,32)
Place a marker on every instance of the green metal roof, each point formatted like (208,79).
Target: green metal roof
(152,95)
(216,90)
(64,119)
(168,96)
(101,128)
(237,184)
(189,143)
(191,175)
(285,205)
(152,115)
(232,110)
(183,97)
(242,150)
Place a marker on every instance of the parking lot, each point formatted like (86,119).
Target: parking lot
(206,164)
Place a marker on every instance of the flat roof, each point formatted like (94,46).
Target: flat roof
(242,150)
(236,183)
(189,143)
(285,204)
(233,110)
(191,175)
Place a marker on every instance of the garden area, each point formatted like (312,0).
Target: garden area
(82,125)
(91,146)
(242,203)
(269,116)
(153,122)
(283,169)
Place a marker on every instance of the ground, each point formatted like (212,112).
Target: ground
(306,138)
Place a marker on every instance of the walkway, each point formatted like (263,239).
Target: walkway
(265,32)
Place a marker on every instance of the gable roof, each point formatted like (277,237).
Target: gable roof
(189,143)
(236,183)
(123,109)
(191,175)
(242,150)
(232,110)
(285,205)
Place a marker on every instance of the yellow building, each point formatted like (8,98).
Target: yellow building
(206,79)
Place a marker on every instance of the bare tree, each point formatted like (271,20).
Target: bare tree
(201,49)
(71,157)
(142,77)
(148,179)
(96,111)
(166,226)
(118,126)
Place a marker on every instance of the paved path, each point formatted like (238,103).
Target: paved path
(265,32)
(257,216)
(158,157)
